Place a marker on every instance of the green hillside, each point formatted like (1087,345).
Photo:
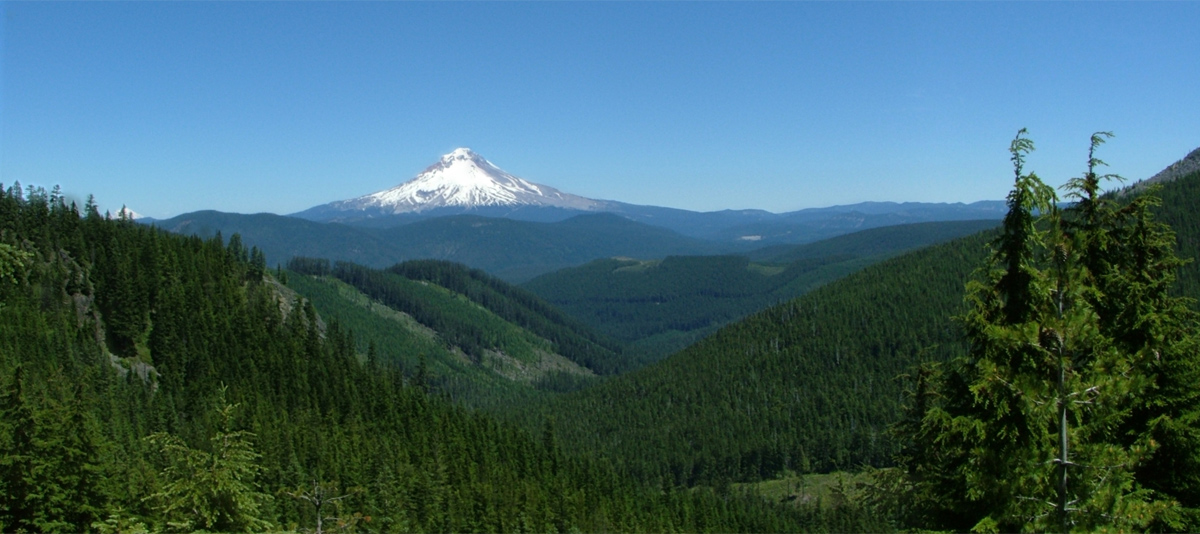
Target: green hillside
(157,382)
(473,312)
(806,385)
(467,334)
(426,360)
(659,307)
(809,384)
(282,238)
(165,382)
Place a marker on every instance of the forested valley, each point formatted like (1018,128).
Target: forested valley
(1037,376)
(659,307)
(154,382)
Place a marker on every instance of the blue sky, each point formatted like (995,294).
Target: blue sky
(279,106)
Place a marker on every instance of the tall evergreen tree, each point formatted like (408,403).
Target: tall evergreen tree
(67,497)
(17,456)
(48,464)
(1043,425)
(212,490)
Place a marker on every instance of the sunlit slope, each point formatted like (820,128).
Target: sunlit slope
(497,379)
(479,339)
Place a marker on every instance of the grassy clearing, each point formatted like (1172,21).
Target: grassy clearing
(820,489)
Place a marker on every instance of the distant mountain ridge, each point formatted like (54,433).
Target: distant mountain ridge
(513,250)
(1189,164)
(464,182)
(466,209)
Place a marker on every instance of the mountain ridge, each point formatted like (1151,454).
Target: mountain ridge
(513,250)
(1185,166)
(463,182)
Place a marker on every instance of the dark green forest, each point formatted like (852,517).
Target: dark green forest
(659,307)
(804,385)
(154,381)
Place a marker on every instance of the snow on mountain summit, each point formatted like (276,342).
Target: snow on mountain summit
(127,213)
(464,179)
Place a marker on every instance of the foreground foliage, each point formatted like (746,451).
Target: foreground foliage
(1076,406)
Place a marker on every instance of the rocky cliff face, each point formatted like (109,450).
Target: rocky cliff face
(1185,166)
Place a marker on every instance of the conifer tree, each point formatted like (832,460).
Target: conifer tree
(17,456)
(212,490)
(13,263)
(66,469)
(48,464)
(1068,325)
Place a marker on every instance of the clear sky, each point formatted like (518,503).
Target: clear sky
(280,106)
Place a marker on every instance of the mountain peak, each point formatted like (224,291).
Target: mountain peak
(464,179)
(460,153)
(126,213)
(471,165)
(1189,164)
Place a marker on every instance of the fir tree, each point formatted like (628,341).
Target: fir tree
(67,471)
(212,490)
(1069,326)
(17,456)
(48,464)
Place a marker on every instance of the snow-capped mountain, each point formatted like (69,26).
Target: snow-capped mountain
(126,213)
(463,179)
(464,183)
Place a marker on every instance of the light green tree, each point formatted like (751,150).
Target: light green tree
(13,265)
(211,490)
